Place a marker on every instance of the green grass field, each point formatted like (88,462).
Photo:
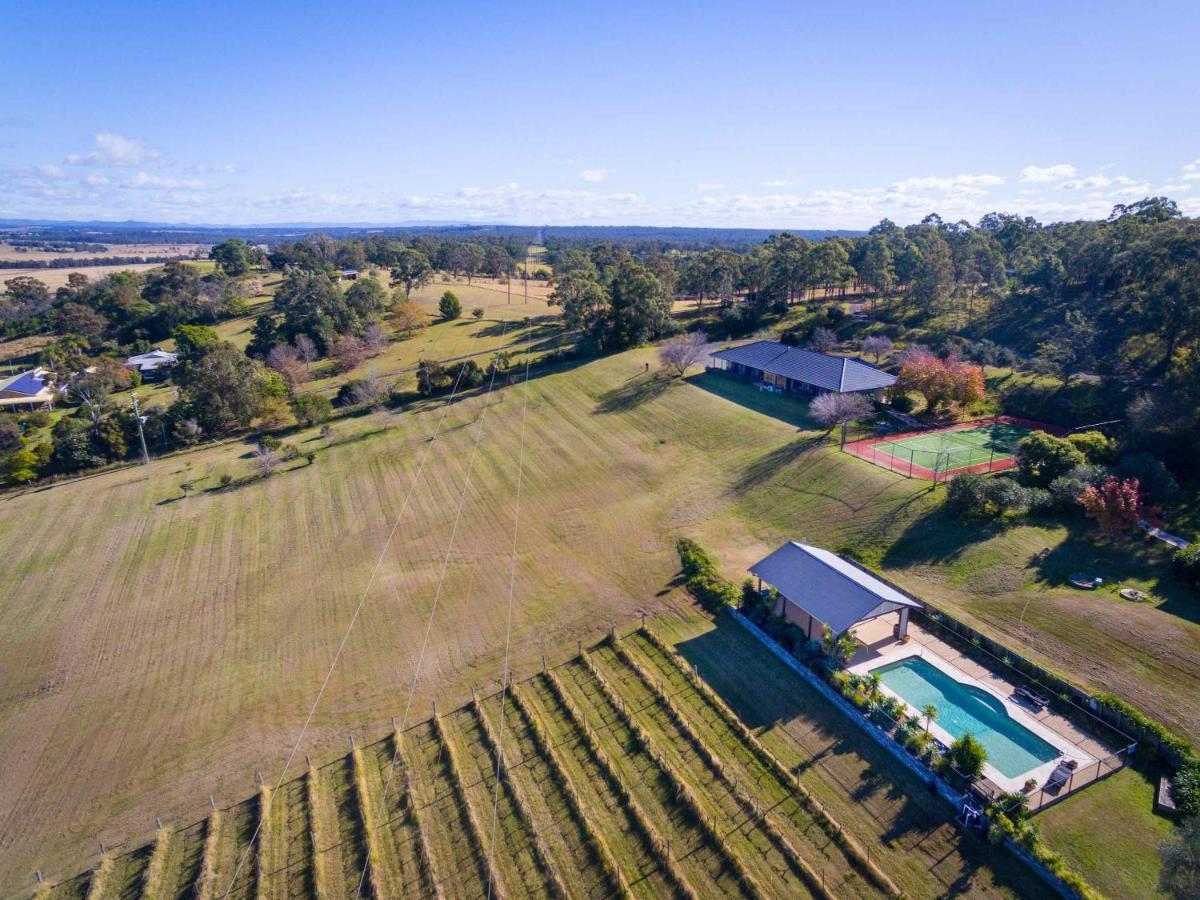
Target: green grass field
(170,645)
(624,774)
(945,451)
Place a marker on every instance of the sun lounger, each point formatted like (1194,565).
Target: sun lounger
(1036,699)
(1059,777)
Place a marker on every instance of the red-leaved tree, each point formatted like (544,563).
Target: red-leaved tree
(1116,505)
(942,382)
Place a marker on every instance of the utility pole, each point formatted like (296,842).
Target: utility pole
(137,417)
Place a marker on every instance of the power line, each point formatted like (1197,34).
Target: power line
(433,608)
(512,577)
(353,619)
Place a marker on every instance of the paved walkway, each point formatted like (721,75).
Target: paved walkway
(1173,539)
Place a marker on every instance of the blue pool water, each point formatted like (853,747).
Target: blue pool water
(1012,749)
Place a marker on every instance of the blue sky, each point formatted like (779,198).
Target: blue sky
(751,114)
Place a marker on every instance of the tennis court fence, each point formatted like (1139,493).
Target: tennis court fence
(993,451)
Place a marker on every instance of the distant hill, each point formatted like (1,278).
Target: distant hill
(135,232)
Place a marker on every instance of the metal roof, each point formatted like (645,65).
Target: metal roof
(829,588)
(29,383)
(830,373)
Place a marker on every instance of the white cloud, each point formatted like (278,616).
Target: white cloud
(1173,187)
(148,181)
(593,176)
(706,187)
(1091,182)
(95,179)
(955,184)
(114,150)
(50,171)
(1044,174)
(225,168)
(778,182)
(1191,171)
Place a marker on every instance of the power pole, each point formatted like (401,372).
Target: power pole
(526,273)
(137,417)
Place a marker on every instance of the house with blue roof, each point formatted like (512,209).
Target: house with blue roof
(797,370)
(33,388)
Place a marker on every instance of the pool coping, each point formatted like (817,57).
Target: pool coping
(1012,709)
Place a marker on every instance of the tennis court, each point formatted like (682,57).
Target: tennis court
(982,446)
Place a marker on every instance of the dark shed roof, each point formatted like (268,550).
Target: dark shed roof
(831,589)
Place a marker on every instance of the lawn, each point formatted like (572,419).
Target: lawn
(1110,833)
(185,655)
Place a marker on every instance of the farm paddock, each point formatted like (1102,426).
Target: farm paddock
(982,447)
(625,772)
(113,718)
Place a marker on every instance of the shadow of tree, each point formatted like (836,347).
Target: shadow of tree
(772,462)
(637,390)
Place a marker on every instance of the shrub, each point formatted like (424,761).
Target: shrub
(1153,477)
(1065,490)
(269,442)
(311,409)
(1043,457)
(449,306)
(1185,788)
(1094,445)
(970,496)
(902,402)
(356,391)
(1186,564)
(702,578)
(967,755)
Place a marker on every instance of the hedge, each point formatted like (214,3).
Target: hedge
(702,578)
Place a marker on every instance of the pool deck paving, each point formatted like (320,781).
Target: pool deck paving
(878,646)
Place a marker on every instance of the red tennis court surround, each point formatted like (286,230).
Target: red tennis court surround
(937,454)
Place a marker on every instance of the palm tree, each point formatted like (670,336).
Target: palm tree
(929,711)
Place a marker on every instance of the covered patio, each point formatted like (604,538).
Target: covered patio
(818,588)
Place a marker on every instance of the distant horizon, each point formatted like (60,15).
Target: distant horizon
(759,115)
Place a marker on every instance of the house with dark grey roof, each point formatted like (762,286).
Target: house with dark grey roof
(803,371)
(818,588)
(33,388)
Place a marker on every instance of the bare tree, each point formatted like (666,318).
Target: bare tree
(285,359)
(822,340)
(374,337)
(877,346)
(680,354)
(833,409)
(306,348)
(266,460)
(348,352)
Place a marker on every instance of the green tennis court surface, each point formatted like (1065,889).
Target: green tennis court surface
(943,451)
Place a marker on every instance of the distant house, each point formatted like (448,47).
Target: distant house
(802,371)
(348,274)
(152,364)
(818,588)
(33,388)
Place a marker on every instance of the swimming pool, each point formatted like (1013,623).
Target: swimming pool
(1012,749)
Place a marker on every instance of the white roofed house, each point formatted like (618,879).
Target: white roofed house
(33,388)
(153,364)
(802,371)
(818,588)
